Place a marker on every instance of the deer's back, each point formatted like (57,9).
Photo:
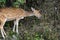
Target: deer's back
(12,13)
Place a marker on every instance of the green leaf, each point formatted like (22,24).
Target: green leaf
(21,1)
(15,4)
(3,1)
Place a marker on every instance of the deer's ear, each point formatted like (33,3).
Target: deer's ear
(32,9)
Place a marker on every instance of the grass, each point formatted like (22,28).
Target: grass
(32,30)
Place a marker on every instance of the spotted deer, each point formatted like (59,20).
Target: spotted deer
(16,14)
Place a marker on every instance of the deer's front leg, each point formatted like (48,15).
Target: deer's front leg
(17,22)
(15,28)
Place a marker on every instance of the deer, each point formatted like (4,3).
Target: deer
(16,14)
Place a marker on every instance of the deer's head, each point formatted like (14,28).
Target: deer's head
(36,12)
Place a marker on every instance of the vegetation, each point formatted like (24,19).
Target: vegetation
(32,28)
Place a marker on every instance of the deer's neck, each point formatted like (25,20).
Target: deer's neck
(29,13)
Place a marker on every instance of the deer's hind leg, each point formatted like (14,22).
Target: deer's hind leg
(1,27)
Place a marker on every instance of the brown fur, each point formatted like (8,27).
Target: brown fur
(8,14)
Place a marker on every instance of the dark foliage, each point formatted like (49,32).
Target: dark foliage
(31,28)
